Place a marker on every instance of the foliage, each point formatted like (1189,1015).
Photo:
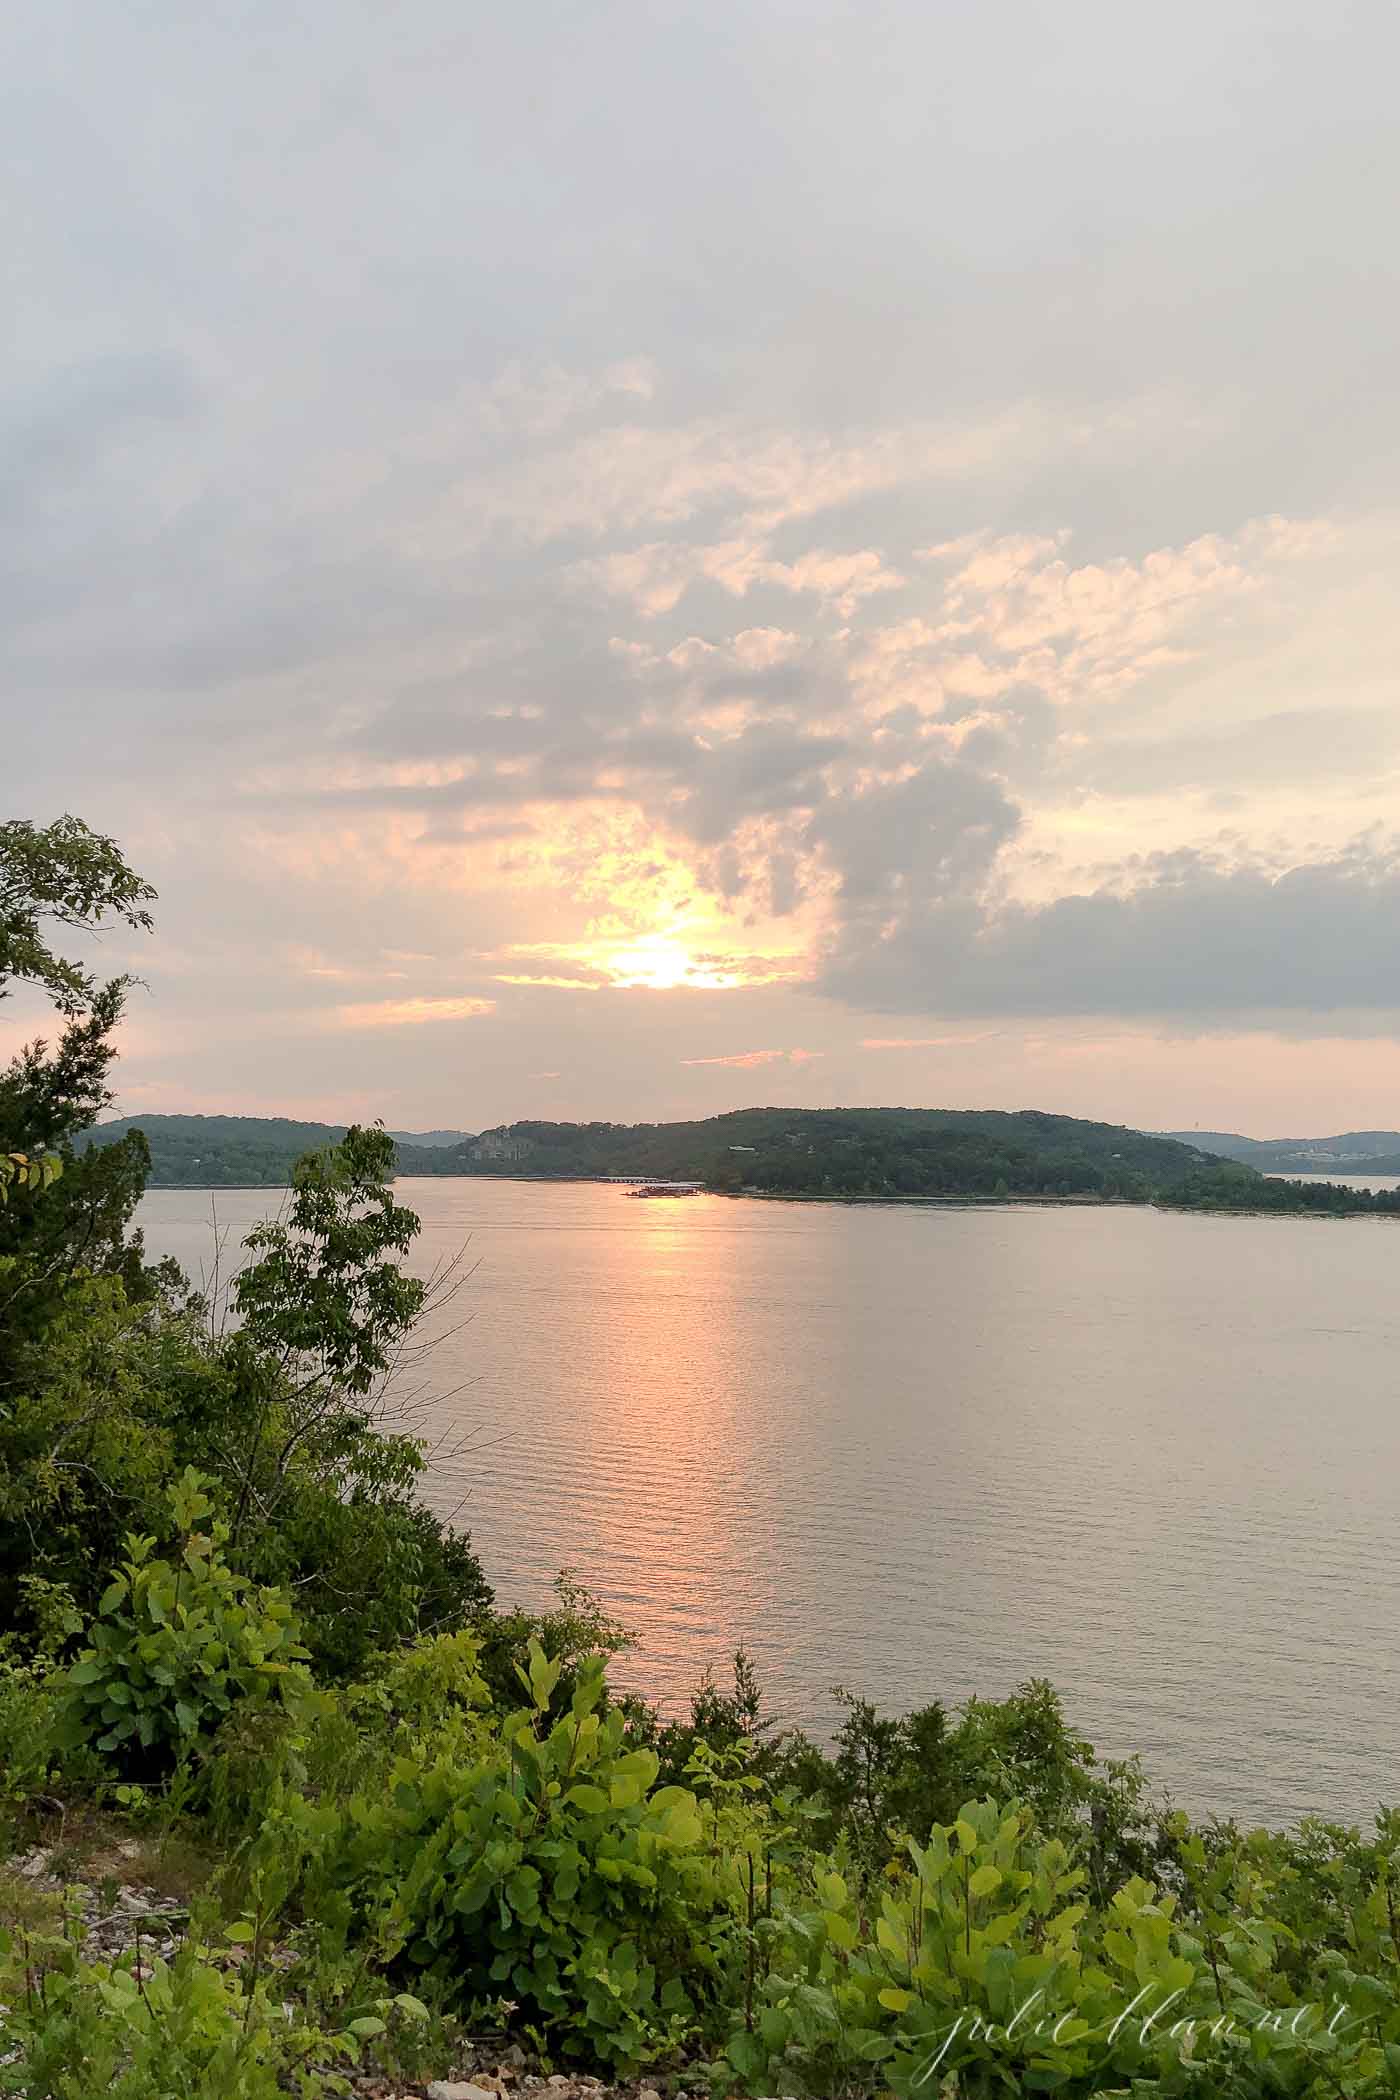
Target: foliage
(217,1152)
(1226,1185)
(985,1965)
(29,1710)
(63,1213)
(1349,1152)
(542,1868)
(323,1292)
(117,1383)
(176,1645)
(575,1629)
(891,1153)
(19,1171)
(73,877)
(880,1154)
(530,1867)
(193,2026)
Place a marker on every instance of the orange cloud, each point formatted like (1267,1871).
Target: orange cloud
(411,1013)
(746,1060)
(926,1042)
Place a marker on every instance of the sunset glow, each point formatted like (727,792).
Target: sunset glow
(598,664)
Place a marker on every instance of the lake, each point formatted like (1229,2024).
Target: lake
(930,1452)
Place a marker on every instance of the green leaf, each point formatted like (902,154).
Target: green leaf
(591,1799)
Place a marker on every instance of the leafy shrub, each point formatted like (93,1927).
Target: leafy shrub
(986,1967)
(193,2026)
(546,1871)
(30,1703)
(339,1740)
(177,1646)
(575,1629)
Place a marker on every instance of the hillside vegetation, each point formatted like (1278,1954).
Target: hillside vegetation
(843,1154)
(885,1154)
(210,1152)
(1350,1152)
(850,1152)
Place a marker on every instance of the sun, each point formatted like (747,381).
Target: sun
(658,962)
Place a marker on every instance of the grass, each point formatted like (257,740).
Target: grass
(23,1906)
(90,1846)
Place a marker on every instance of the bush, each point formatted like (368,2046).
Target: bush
(195,2026)
(176,1646)
(30,1702)
(547,1872)
(985,1968)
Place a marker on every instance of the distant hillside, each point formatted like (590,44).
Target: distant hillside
(1353,1152)
(844,1152)
(246,1151)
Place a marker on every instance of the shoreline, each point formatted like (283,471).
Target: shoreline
(971,1201)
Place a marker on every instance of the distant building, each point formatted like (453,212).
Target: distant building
(743,1148)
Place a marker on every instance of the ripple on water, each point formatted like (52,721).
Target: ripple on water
(930,1453)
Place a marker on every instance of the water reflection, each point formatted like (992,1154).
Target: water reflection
(930,1452)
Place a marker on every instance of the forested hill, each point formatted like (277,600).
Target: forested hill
(898,1152)
(834,1152)
(204,1152)
(1350,1152)
(843,1152)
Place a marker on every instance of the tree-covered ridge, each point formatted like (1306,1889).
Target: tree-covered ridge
(893,1153)
(1348,1152)
(839,1153)
(842,1152)
(851,1152)
(245,1151)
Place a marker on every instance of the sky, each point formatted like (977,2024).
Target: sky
(633,560)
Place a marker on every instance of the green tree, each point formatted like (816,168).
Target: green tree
(321,1466)
(110,1380)
(70,876)
(65,877)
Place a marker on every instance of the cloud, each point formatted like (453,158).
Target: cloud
(934,832)
(1186,935)
(925,1042)
(474,544)
(749,1060)
(655,577)
(412,1013)
(633,475)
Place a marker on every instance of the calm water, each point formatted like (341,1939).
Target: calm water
(926,1453)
